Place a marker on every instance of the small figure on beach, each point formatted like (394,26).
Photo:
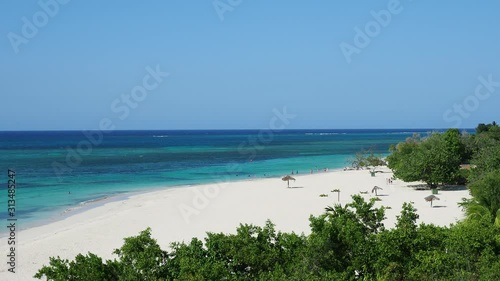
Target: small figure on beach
(292,172)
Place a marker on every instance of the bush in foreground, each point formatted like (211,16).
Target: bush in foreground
(346,243)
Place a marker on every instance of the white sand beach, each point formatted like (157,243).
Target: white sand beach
(177,214)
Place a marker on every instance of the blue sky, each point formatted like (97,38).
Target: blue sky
(420,69)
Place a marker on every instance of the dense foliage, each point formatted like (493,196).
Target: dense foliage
(347,242)
(492,130)
(434,160)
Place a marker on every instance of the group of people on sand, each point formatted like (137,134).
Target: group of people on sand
(318,170)
(296,172)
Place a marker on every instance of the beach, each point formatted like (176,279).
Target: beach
(178,214)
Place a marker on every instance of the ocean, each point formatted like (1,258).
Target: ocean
(57,171)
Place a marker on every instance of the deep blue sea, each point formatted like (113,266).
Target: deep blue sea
(57,170)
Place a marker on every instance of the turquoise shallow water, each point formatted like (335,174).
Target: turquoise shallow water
(129,161)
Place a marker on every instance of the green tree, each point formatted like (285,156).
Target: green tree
(492,130)
(440,157)
(486,192)
(89,267)
(396,246)
(434,160)
(359,160)
(475,211)
(485,160)
(453,142)
(365,159)
(473,144)
(481,128)
(402,160)
(140,259)
(342,239)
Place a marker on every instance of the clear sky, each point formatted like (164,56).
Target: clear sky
(231,62)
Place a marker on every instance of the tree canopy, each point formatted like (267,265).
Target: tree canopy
(366,158)
(434,160)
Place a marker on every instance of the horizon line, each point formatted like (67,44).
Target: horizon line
(256,129)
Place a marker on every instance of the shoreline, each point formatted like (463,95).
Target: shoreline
(85,205)
(179,214)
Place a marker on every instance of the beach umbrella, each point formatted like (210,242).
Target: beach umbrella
(375,188)
(431,198)
(338,193)
(287,179)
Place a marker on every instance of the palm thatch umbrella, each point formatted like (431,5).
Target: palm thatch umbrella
(375,188)
(431,198)
(287,179)
(338,193)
